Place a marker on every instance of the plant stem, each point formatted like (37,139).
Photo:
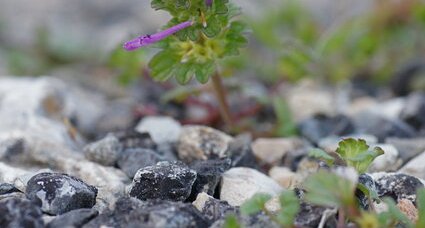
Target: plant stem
(220,93)
(341,218)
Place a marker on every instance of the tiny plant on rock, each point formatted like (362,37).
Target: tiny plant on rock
(199,35)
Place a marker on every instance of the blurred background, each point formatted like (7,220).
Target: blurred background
(372,48)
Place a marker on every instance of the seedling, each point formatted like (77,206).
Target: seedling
(352,152)
(199,35)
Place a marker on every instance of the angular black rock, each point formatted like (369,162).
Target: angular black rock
(131,212)
(309,215)
(398,186)
(165,180)
(369,183)
(16,212)
(321,126)
(383,128)
(259,220)
(131,160)
(74,218)
(208,175)
(214,209)
(134,139)
(240,152)
(413,112)
(58,193)
(9,190)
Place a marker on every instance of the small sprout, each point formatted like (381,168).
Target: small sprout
(290,206)
(356,153)
(420,199)
(328,189)
(151,39)
(255,204)
(231,222)
(322,155)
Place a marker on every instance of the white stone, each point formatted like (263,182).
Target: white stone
(162,129)
(389,161)
(273,205)
(415,167)
(272,150)
(239,184)
(284,176)
(200,201)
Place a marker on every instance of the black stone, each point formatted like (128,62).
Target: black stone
(131,212)
(208,175)
(413,112)
(16,212)
(131,160)
(321,126)
(215,209)
(398,186)
(309,215)
(75,218)
(165,180)
(403,79)
(369,183)
(133,139)
(240,152)
(6,188)
(58,193)
(383,128)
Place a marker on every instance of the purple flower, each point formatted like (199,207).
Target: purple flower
(208,2)
(150,39)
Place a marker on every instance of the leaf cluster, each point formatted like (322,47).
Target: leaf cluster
(195,51)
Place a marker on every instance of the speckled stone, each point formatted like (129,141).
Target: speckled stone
(58,193)
(165,180)
(16,212)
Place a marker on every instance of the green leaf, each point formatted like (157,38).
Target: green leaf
(286,125)
(322,155)
(231,222)
(255,204)
(290,207)
(220,6)
(204,71)
(183,73)
(356,153)
(420,200)
(213,27)
(328,189)
(161,65)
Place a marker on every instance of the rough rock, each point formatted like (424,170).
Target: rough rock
(369,183)
(259,220)
(397,185)
(382,127)
(408,148)
(309,215)
(321,126)
(131,212)
(208,175)
(131,160)
(59,193)
(10,191)
(161,128)
(165,180)
(389,161)
(74,218)
(202,143)
(409,209)
(240,184)
(20,213)
(414,111)
(133,140)
(284,176)
(213,209)
(104,151)
(240,151)
(271,150)
(415,167)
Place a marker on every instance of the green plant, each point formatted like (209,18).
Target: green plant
(289,207)
(353,152)
(199,35)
